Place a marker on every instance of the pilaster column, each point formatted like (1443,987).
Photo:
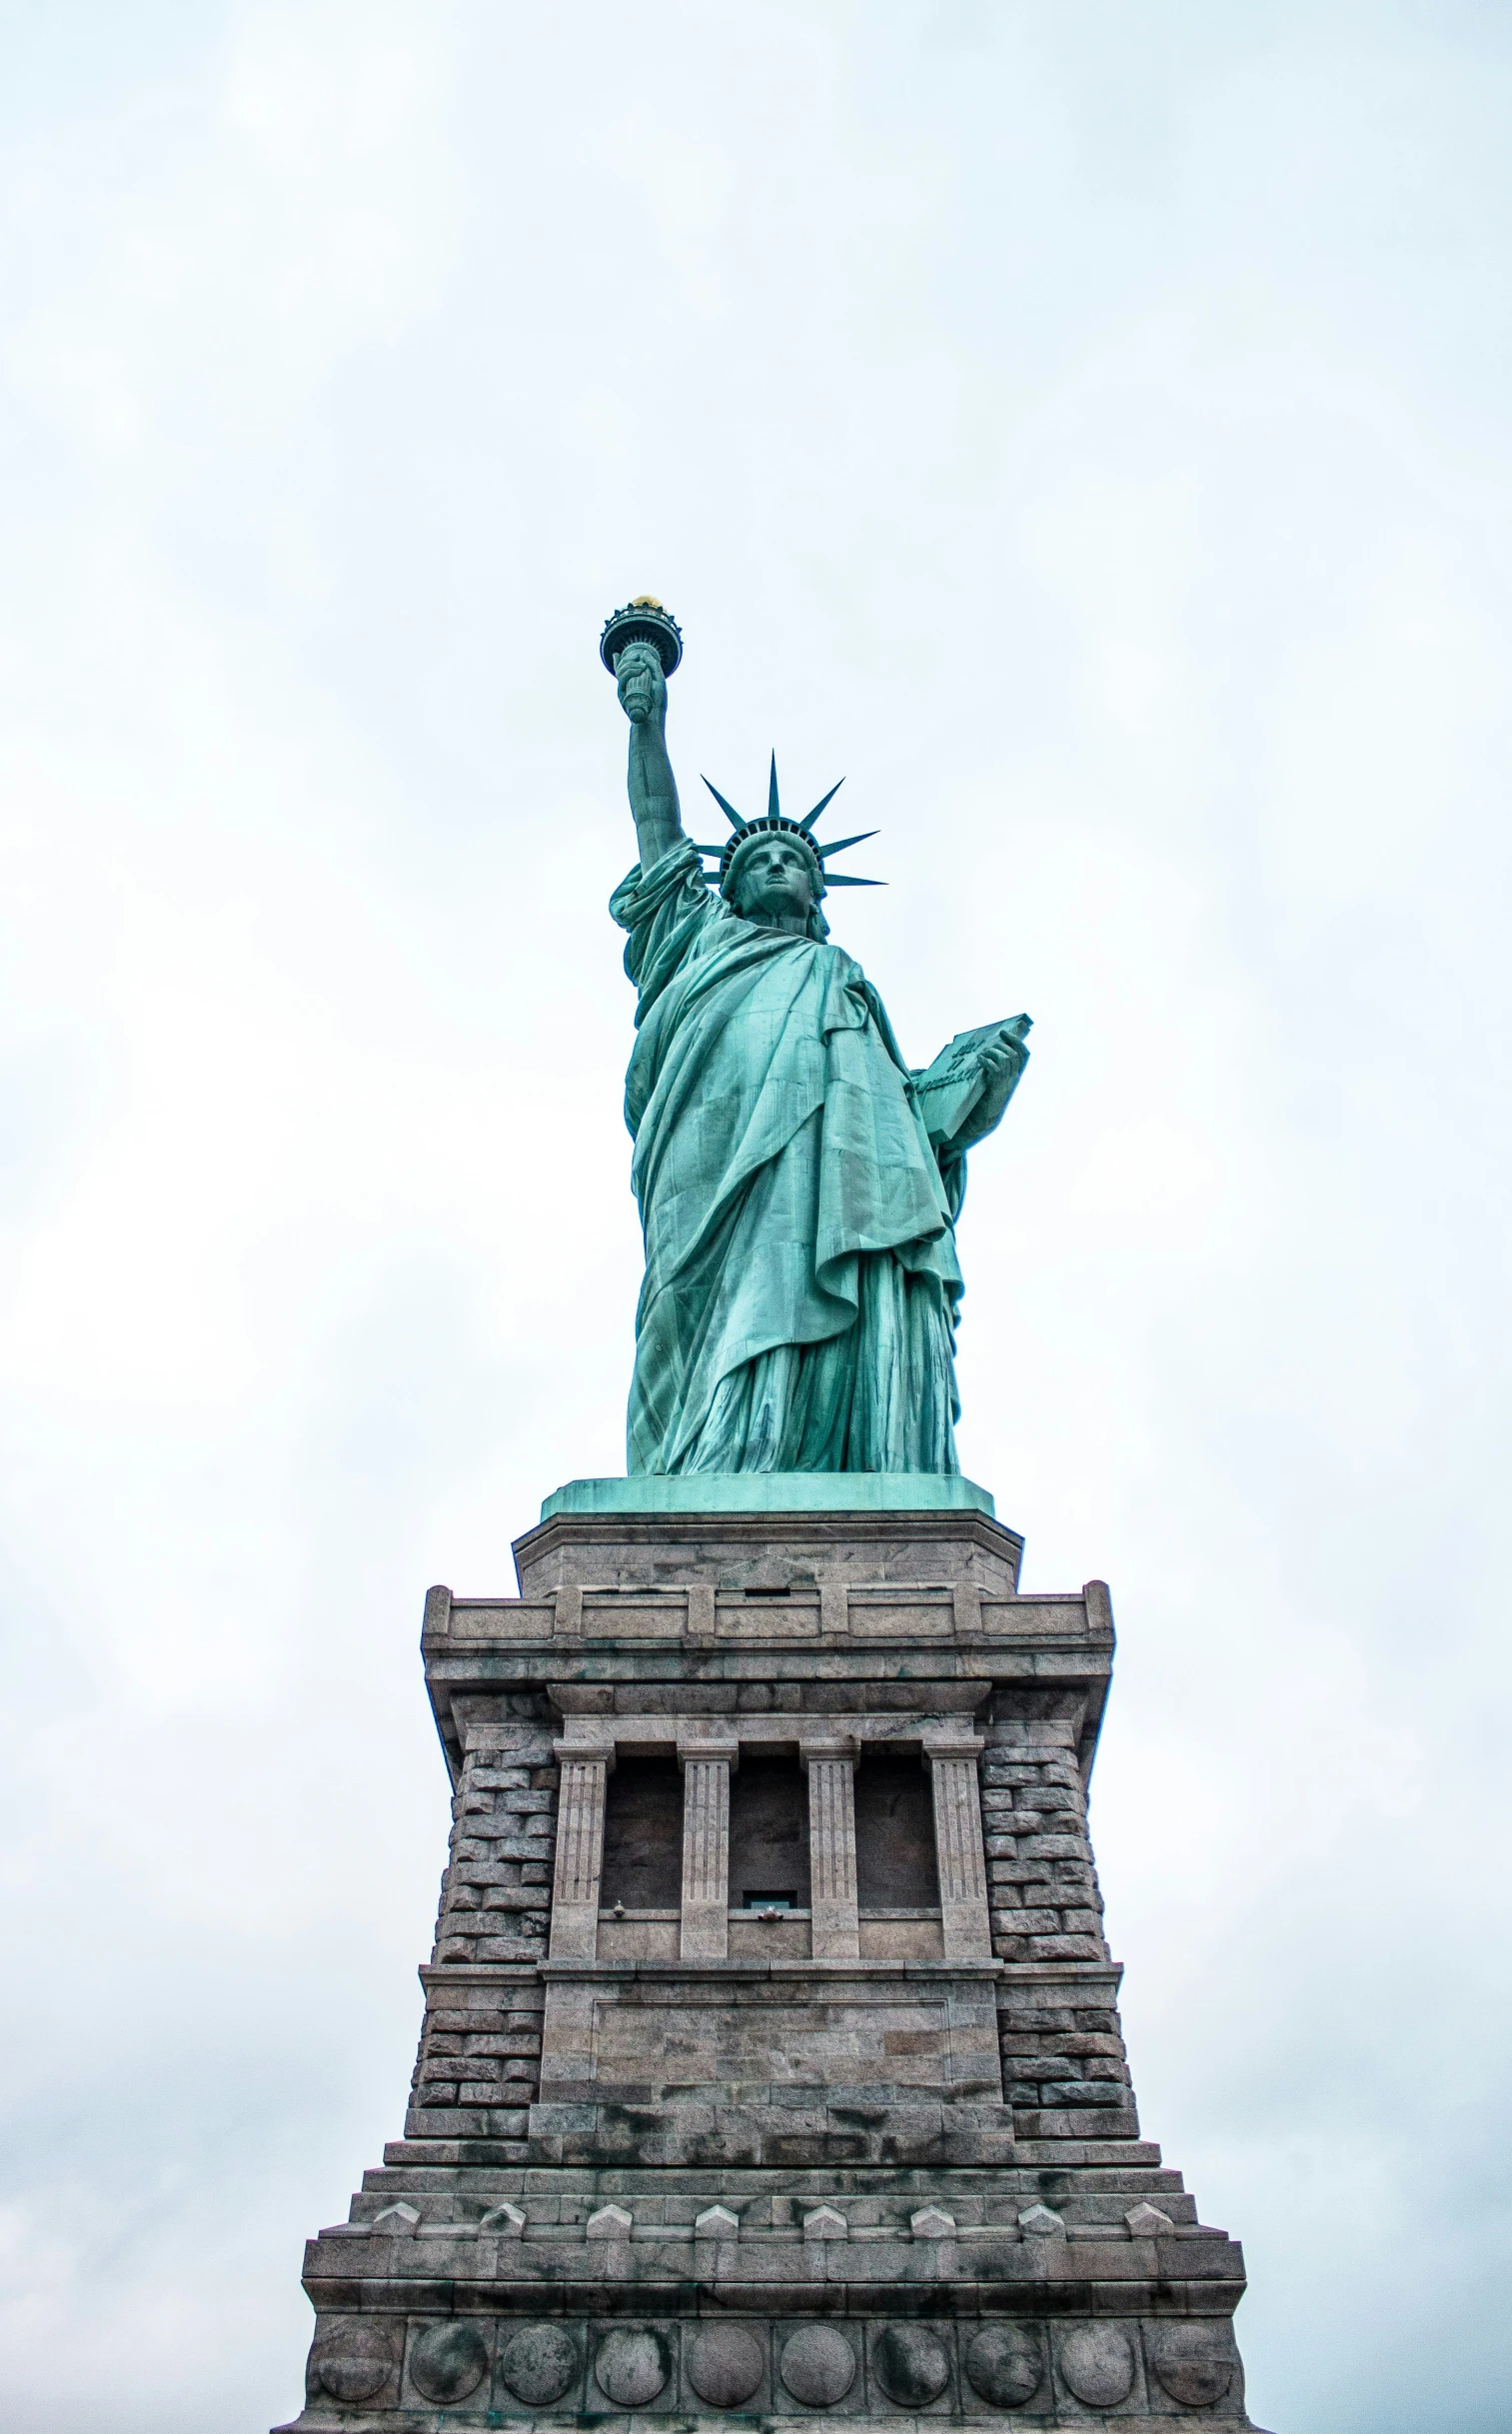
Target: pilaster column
(580,1849)
(830,1769)
(959,1852)
(706,1767)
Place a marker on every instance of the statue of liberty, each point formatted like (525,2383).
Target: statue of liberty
(798,1185)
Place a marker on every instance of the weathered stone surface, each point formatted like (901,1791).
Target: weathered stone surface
(1193,2362)
(724,2365)
(538,2363)
(1096,2362)
(911,2364)
(632,2365)
(1005,2364)
(817,2365)
(355,2360)
(448,2361)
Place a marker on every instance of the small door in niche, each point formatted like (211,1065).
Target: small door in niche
(894,1833)
(643,1836)
(768,1834)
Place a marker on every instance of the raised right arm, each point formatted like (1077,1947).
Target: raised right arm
(652,787)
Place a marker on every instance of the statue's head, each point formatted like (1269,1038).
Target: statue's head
(772,877)
(774,869)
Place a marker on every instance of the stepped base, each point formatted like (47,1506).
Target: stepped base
(875,2156)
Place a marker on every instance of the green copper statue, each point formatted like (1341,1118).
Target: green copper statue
(798,1184)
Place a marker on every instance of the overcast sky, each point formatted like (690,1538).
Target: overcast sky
(1082,422)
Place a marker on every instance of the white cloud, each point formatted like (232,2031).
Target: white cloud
(1089,433)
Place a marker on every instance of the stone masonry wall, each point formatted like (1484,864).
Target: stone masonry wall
(479,2066)
(1065,2071)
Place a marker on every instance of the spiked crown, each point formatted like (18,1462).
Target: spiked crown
(745,832)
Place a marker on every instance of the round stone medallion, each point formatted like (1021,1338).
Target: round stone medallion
(818,2366)
(1194,2363)
(354,2361)
(632,2366)
(724,2365)
(538,2363)
(912,2365)
(1098,2364)
(1004,2365)
(448,2361)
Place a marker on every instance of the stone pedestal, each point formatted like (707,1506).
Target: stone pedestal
(833,2121)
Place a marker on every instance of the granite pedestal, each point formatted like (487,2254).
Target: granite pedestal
(772,2065)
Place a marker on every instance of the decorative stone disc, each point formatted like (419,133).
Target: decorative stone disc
(818,2366)
(912,2365)
(632,2366)
(448,2361)
(353,2361)
(1006,2365)
(724,2365)
(538,2363)
(1098,2364)
(1193,2362)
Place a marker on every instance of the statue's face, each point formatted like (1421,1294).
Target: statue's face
(776,883)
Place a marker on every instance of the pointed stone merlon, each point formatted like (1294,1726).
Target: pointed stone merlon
(1149,2223)
(716,2223)
(610,2223)
(824,2223)
(397,2222)
(829,1765)
(932,2223)
(1039,2224)
(708,1760)
(580,1848)
(951,1758)
(505,2223)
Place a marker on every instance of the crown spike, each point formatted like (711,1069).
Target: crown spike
(729,809)
(841,843)
(806,823)
(843,879)
(773,808)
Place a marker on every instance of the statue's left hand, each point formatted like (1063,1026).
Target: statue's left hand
(1002,1061)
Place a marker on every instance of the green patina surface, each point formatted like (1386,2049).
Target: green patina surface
(798,1184)
(774,1492)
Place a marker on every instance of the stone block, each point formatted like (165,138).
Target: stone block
(1041,2223)
(824,2223)
(931,2223)
(608,2223)
(1146,2222)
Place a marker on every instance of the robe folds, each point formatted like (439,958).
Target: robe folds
(798,1305)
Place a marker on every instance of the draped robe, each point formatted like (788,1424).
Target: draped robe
(798,1305)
